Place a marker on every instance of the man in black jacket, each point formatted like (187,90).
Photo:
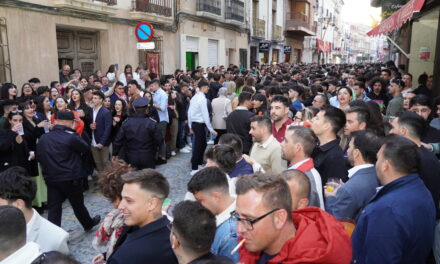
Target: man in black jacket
(60,154)
(146,236)
(239,121)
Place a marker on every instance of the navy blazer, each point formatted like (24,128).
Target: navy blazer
(149,244)
(353,196)
(103,127)
(397,226)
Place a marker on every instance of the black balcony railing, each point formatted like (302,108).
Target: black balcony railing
(108,2)
(210,6)
(234,10)
(159,7)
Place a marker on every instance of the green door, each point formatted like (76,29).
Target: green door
(190,60)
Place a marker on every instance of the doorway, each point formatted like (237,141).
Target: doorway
(192,60)
(79,49)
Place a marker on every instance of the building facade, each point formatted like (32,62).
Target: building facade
(212,33)
(38,36)
(266,37)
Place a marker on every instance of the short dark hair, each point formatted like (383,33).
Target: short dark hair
(234,141)
(207,179)
(118,83)
(100,94)
(42,89)
(12,229)
(413,122)
(363,115)
(15,183)
(368,143)
(402,153)
(360,84)
(133,82)
(300,179)
(335,116)
(216,77)
(149,180)
(224,156)
(275,190)
(194,225)
(34,80)
(305,137)
(110,181)
(202,83)
(281,99)
(263,121)
(420,99)
(243,97)
(53,84)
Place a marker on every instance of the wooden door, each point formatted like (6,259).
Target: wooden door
(79,49)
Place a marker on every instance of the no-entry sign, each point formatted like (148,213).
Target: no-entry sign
(144,32)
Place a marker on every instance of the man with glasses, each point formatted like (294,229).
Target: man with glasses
(267,225)
(64,74)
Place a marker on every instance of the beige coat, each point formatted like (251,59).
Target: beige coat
(221,106)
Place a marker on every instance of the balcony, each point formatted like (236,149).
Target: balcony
(209,8)
(300,24)
(277,32)
(159,11)
(94,7)
(259,28)
(234,11)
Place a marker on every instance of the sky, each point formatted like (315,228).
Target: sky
(359,11)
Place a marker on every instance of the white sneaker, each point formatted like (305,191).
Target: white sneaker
(188,147)
(173,153)
(184,150)
(193,172)
(210,142)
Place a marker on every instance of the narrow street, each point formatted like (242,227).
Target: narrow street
(80,244)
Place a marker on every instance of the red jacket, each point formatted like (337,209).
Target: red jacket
(319,238)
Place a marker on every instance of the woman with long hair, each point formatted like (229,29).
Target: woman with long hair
(26,90)
(152,111)
(259,102)
(8,91)
(61,105)
(53,95)
(43,108)
(78,104)
(239,84)
(19,154)
(119,113)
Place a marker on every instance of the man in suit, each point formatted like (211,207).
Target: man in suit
(239,121)
(18,189)
(146,237)
(346,201)
(101,128)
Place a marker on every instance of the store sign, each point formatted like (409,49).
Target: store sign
(264,46)
(287,49)
(391,6)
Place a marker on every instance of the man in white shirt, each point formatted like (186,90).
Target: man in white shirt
(198,121)
(266,149)
(18,189)
(297,148)
(13,246)
(211,189)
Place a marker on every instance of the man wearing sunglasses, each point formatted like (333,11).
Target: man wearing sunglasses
(275,234)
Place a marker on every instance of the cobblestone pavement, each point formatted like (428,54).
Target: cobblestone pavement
(177,171)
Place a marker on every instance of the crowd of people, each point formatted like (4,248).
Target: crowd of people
(308,164)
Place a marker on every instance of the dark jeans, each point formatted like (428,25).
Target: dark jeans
(199,144)
(162,126)
(181,135)
(58,192)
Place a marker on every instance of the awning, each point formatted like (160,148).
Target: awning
(398,18)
